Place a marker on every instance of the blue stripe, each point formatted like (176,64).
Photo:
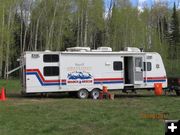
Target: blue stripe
(154,80)
(50,84)
(108,82)
(36,74)
(97,82)
(41,82)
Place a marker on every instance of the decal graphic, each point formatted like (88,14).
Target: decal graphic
(79,75)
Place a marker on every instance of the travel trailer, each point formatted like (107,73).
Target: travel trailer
(85,71)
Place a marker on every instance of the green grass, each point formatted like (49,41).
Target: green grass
(61,114)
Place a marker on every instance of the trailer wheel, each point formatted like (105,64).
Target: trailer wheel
(83,94)
(95,93)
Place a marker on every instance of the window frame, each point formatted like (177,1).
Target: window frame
(115,68)
(147,64)
(51,59)
(52,73)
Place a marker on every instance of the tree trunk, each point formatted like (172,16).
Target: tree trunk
(21,33)
(36,34)
(61,27)
(86,29)
(78,29)
(82,28)
(24,39)
(1,46)
(51,29)
(8,46)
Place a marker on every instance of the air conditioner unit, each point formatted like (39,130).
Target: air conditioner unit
(132,49)
(104,49)
(78,49)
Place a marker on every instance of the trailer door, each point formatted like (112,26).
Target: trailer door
(138,70)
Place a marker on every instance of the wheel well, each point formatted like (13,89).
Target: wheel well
(83,89)
(96,89)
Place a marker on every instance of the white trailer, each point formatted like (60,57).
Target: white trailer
(86,71)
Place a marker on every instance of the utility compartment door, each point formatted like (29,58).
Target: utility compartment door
(138,70)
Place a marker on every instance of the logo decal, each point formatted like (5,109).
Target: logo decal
(79,77)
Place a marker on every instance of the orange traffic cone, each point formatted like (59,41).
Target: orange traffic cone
(3,96)
(105,89)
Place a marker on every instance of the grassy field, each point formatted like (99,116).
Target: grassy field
(59,114)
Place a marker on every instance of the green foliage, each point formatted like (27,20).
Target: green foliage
(7,29)
(174,38)
(58,24)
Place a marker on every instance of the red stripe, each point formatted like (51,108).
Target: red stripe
(108,79)
(72,81)
(41,76)
(155,78)
(63,80)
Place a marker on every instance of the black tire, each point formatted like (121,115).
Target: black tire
(178,92)
(83,94)
(95,93)
(72,94)
(23,93)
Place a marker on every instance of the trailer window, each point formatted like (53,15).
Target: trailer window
(51,71)
(117,65)
(51,58)
(149,66)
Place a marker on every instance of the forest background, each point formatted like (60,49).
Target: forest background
(38,25)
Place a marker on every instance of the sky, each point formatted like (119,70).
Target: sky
(149,3)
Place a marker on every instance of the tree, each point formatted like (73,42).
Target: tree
(174,34)
(8,27)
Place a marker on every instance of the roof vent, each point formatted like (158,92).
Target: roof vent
(104,49)
(132,49)
(78,49)
(47,51)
